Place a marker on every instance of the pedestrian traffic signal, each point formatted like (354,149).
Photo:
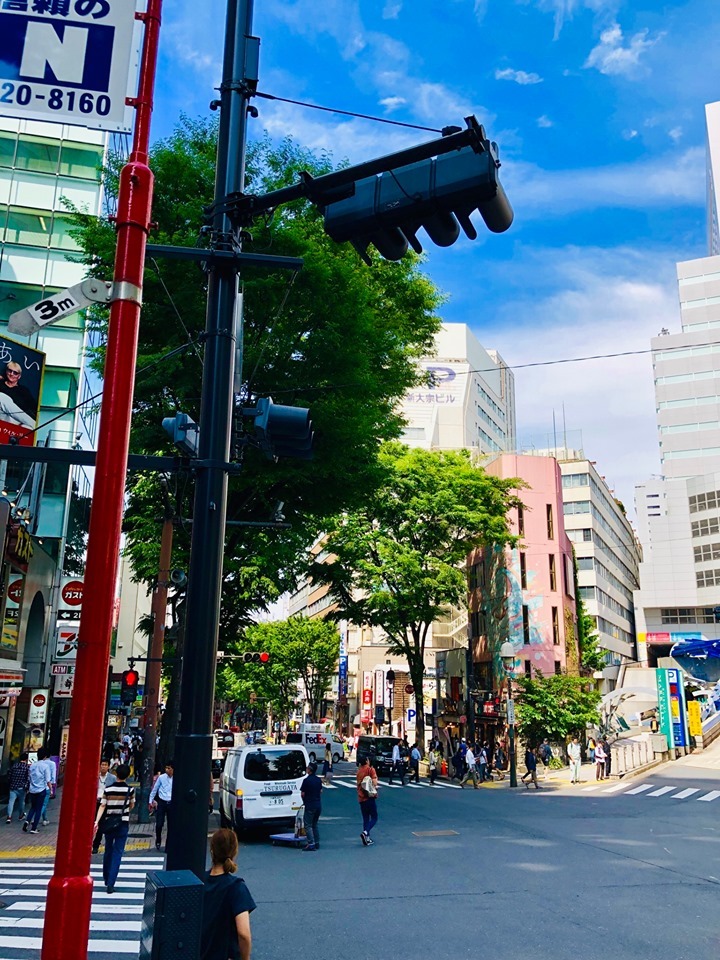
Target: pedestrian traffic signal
(184,433)
(129,687)
(256,657)
(437,194)
(282,431)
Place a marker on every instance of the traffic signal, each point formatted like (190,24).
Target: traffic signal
(283,431)
(184,433)
(129,687)
(256,657)
(437,194)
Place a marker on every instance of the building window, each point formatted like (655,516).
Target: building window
(553,572)
(708,551)
(521,521)
(550,524)
(526,623)
(523,570)
(558,667)
(556,626)
(703,528)
(528,668)
(685,615)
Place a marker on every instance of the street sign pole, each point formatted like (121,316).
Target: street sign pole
(187,832)
(67,915)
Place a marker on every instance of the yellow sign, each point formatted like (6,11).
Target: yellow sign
(694,719)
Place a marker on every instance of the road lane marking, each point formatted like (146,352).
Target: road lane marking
(640,789)
(713,795)
(685,793)
(93,946)
(615,788)
(661,791)
(595,786)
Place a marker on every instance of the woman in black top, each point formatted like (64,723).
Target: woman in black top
(227,904)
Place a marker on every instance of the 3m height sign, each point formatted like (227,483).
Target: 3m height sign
(68,61)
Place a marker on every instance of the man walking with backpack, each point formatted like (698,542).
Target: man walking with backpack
(415,764)
(545,755)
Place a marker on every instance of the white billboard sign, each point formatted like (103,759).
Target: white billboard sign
(68,61)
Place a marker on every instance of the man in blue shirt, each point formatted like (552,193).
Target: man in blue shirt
(40,781)
(310,791)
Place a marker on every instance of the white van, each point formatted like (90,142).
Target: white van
(315,738)
(260,785)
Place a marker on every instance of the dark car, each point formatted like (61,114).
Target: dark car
(380,749)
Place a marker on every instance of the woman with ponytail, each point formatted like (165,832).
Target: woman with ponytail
(227,904)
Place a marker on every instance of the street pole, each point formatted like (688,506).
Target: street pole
(153,669)
(187,833)
(511,733)
(67,914)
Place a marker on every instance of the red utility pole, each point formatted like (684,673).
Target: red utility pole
(67,916)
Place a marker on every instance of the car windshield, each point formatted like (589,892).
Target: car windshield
(278,765)
(380,746)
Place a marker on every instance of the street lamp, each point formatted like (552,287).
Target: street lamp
(507,655)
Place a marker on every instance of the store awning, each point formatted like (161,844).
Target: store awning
(11,675)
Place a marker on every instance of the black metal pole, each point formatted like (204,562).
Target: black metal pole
(187,828)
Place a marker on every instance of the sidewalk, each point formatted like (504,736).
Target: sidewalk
(17,845)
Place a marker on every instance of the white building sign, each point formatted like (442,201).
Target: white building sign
(68,61)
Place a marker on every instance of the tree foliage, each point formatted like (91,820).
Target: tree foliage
(555,706)
(338,337)
(591,655)
(398,561)
(302,651)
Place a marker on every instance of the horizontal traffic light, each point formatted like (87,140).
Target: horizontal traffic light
(256,657)
(438,194)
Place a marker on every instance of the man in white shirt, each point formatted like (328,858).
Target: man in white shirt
(397,767)
(574,757)
(471,769)
(105,779)
(52,770)
(40,782)
(160,797)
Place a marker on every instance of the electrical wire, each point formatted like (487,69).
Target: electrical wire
(348,113)
(173,305)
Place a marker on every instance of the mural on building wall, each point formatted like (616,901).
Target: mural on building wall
(533,601)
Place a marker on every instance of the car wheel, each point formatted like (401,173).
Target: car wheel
(312,757)
(336,758)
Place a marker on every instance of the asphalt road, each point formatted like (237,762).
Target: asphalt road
(557,873)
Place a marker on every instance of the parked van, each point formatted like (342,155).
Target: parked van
(260,785)
(315,738)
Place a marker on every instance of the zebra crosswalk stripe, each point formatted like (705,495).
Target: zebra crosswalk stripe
(115,919)
(713,795)
(684,794)
(641,789)
(662,791)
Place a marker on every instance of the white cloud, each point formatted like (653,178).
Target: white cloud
(480,7)
(676,133)
(392,9)
(612,58)
(669,179)
(544,121)
(518,76)
(392,103)
(564,9)
(586,302)
(629,134)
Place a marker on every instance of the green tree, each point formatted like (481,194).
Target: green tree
(397,562)
(592,657)
(302,651)
(338,337)
(555,706)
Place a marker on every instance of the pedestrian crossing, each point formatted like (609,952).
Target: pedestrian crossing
(115,918)
(384,785)
(652,790)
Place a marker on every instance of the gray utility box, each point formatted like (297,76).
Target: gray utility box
(172,916)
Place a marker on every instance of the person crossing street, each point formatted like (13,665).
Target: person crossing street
(160,800)
(471,768)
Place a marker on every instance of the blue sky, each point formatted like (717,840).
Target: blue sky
(598,109)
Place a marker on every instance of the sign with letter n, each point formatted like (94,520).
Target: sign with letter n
(69,61)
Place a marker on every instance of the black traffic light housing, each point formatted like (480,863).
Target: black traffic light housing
(437,194)
(256,656)
(129,687)
(282,431)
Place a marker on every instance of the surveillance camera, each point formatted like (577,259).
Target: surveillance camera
(277,514)
(178,578)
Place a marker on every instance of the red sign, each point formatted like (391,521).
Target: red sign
(72,593)
(367,697)
(409,688)
(39,700)
(15,591)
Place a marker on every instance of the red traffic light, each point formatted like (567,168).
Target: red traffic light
(131,677)
(264,657)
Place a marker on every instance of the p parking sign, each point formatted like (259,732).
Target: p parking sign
(68,61)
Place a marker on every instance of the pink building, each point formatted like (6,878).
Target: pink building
(526,594)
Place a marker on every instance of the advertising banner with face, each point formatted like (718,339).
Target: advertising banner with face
(21,375)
